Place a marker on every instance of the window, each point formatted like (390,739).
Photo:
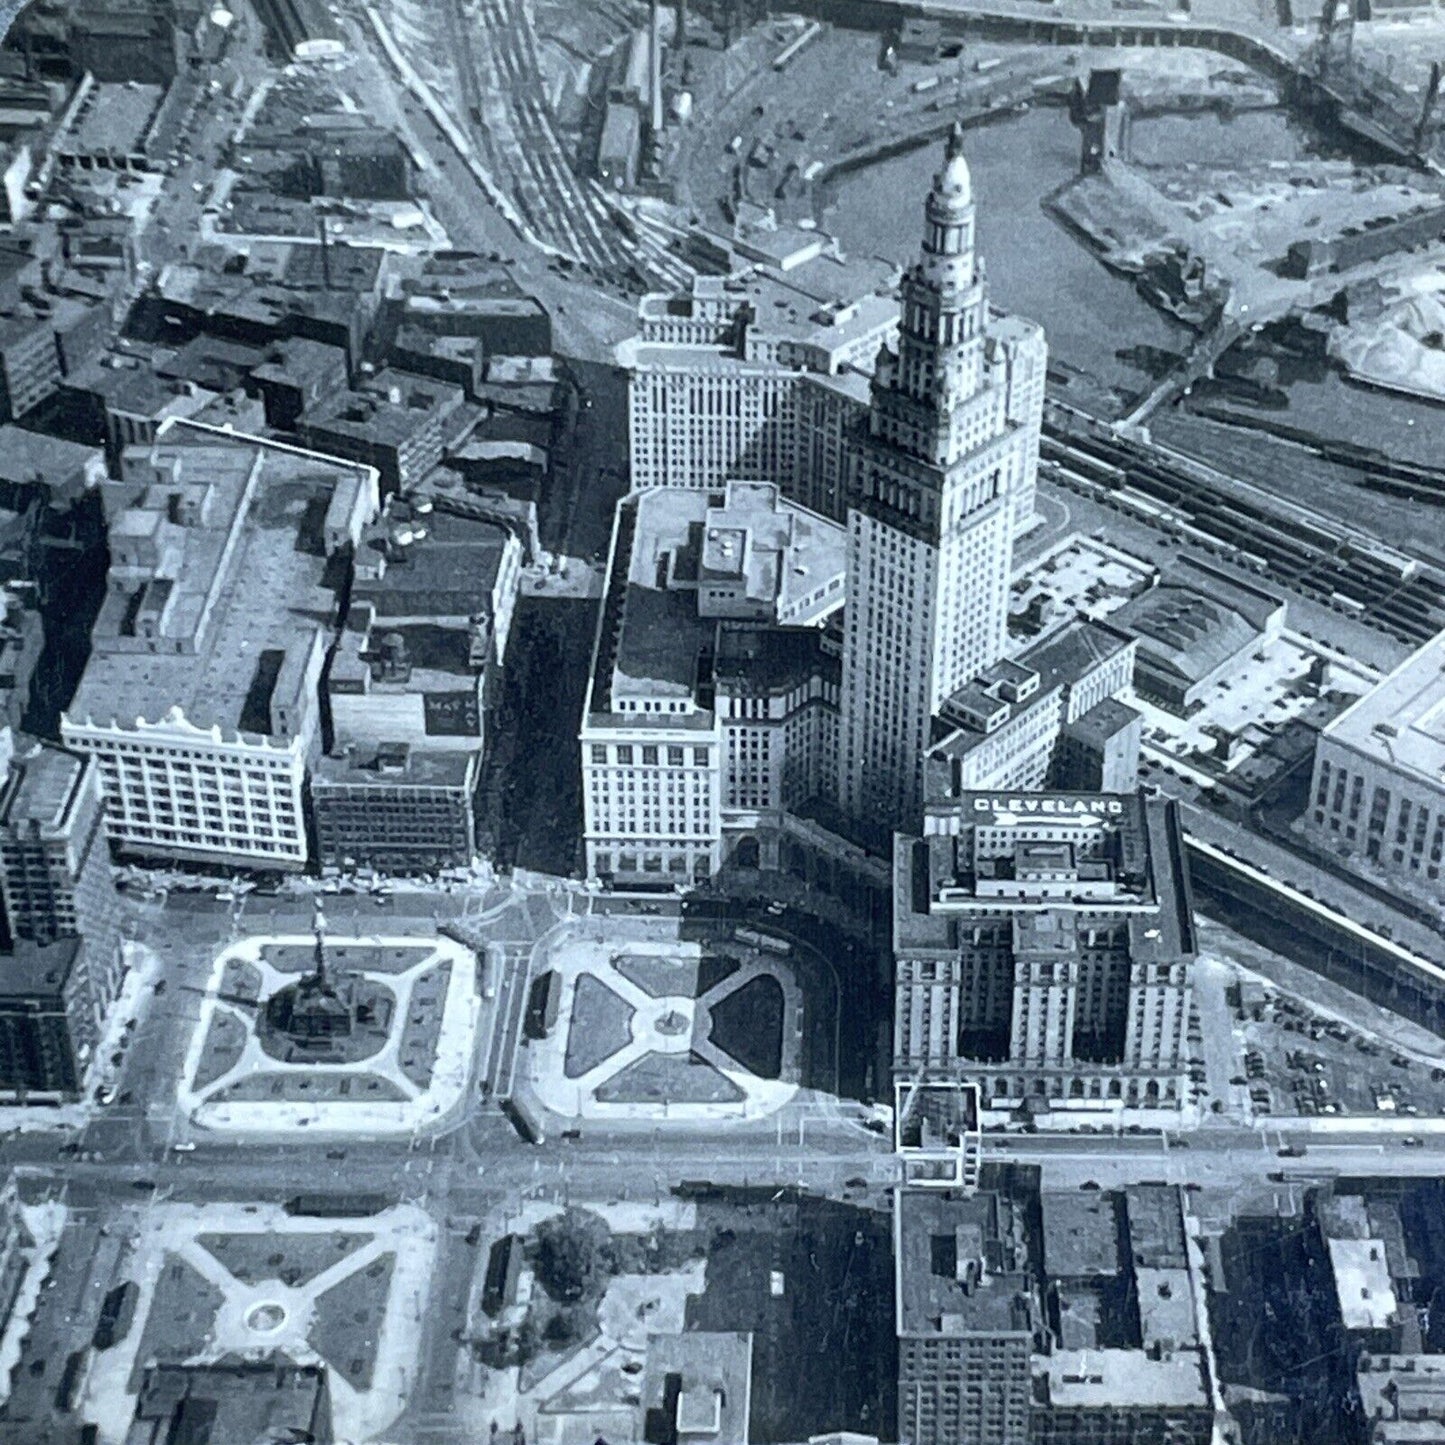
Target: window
(649,756)
(624,753)
(599,753)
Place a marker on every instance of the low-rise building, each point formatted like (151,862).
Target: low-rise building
(224,1404)
(699,1382)
(396,809)
(200,700)
(110,127)
(120,41)
(1195,626)
(399,424)
(1043,947)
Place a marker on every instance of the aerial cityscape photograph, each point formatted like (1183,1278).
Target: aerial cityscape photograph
(723,722)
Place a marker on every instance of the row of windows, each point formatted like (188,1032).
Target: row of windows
(183,756)
(649,755)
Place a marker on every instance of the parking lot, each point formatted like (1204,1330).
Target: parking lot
(1298,1062)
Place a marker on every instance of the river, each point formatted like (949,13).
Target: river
(1035,267)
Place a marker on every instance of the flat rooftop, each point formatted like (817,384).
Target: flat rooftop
(28,457)
(361,768)
(678,550)
(1363,1284)
(225,1404)
(451,569)
(1114,1379)
(1081,1233)
(39,970)
(1156,1226)
(1166,1307)
(1400,723)
(114,119)
(962,1264)
(388,412)
(237,594)
(40,787)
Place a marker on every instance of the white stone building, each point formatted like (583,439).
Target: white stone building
(713,698)
(200,699)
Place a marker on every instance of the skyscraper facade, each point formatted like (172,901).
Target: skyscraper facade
(930,530)
(1044,947)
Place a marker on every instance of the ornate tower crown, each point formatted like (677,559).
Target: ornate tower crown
(952,192)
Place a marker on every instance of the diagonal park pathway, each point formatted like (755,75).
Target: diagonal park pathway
(672,1024)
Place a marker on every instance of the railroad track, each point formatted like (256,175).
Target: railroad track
(1384,589)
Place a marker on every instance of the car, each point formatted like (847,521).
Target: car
(856,1182)
(1291,1151)
(143,1186)
(1413,1141)
(336,1153)
(188,1147)
(160,987)
(105,1094)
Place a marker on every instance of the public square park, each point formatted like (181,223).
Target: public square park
(333,1034)
(633,1021)
(237,1281)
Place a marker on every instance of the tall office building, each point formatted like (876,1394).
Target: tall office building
(61,965)
(931,527)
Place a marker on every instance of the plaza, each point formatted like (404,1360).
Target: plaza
(230,1281)
(402,1065)
(650,1026)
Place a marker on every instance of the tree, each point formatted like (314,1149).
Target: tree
(572,1255)
(567,1326)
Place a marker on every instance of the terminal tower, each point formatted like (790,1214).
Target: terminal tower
(937,469)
